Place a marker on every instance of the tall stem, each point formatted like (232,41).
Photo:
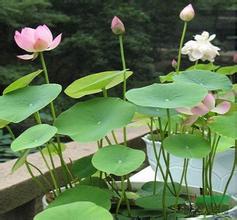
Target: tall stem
(124,81)
(53,113)
(181,45)
(46,76)
(51,173)
(123,64)
(105,94)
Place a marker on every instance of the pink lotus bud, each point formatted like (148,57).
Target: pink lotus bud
(174,63)
(187,14)
(117,26)
(36,40)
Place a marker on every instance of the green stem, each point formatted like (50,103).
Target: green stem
(186,182)
(204,184)
(123,64)
(35,178)
(196,63)
(40,172)
(108,140)
(51,173)
(53,113)
(123,197)
(231,174)
(10,132)
(180,46)
(124,81)
(157,156)
(105,94)
(181,182)
(164,157)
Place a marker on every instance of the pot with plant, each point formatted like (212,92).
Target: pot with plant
(218,101)
(99,186)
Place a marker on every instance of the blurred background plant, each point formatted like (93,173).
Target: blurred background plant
(153,30)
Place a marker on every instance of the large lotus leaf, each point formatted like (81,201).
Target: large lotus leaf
(22,82)
(20,104)
(75,211)
(3,123)
(118,159)
(155,202)
(170,95)
(225,125)
(187,146)
(100,197)
(92,120)
(34,137)
(94,83)
(207,79)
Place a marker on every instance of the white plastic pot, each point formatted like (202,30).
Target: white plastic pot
(221,170)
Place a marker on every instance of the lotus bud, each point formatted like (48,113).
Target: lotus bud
(187,14)
(117,26)
(174,63)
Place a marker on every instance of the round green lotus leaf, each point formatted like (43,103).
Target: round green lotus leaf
(100,197)
(20,104)
(22,82)
(92,120)
(94,83)
(207,79)
(34,137)
(155,202)
(187,146)
(170,95)
(225,125)
(75,211)
(118,159)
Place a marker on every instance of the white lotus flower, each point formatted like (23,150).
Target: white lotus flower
(201,48)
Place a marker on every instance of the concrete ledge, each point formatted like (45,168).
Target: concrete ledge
(18,189)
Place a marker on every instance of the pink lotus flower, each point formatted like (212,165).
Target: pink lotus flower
(206,106)
(187,14)
(36,40)
(117,26)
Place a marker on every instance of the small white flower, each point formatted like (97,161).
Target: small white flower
(201,48)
